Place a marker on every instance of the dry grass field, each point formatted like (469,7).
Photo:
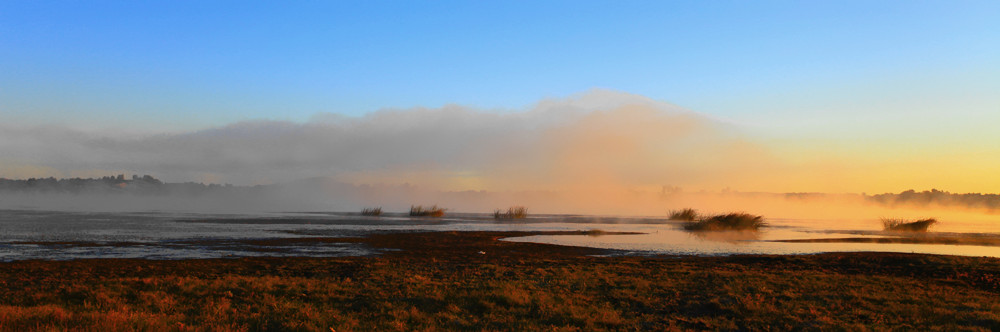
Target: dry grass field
(471,281)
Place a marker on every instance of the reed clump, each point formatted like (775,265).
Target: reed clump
(737,221)
(905,225)
(374,212)
(687,214)
(513,212)
(432,211)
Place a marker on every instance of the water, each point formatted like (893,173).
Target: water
(674,241)
(32,234)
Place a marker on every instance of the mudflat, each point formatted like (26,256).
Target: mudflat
(474,281)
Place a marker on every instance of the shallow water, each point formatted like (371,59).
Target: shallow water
(32,234)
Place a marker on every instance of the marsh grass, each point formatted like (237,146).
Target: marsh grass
(737,221)
(446,286)
(432,211)
(905,225)
(594,232)
(687,214)
(513,212)
(376,211)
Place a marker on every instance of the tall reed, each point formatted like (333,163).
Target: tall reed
(687,214)
(737,221)
(420,211)
(376,211)
(904,225)
(513,212)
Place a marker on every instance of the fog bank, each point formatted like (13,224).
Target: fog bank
(601,152)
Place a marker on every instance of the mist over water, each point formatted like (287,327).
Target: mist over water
(601,153)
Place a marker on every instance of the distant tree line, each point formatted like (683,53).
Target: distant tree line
(145,184)
(937,197)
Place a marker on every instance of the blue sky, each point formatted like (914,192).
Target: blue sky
(178,65)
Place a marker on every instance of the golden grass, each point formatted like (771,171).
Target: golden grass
(513,212)
(420,211)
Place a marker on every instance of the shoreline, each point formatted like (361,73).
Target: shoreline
(472,280)
(919,238)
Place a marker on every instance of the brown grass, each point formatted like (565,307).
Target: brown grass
(420,211)
(440,281)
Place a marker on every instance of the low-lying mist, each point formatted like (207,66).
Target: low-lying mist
(829,211)
(597,153)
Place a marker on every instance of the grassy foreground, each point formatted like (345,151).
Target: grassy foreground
(441,281)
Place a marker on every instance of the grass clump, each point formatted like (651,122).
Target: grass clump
(377,211)
(687,214)
(420,211)
(737,221)
(904,225)
(513,212)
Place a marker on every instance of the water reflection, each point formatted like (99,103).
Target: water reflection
(734,237)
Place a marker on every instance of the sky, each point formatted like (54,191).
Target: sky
(837,96)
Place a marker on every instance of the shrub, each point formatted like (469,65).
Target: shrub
(688,214)
(513,212)
(904,225)
(420,211)
(727,222)
(377,211)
